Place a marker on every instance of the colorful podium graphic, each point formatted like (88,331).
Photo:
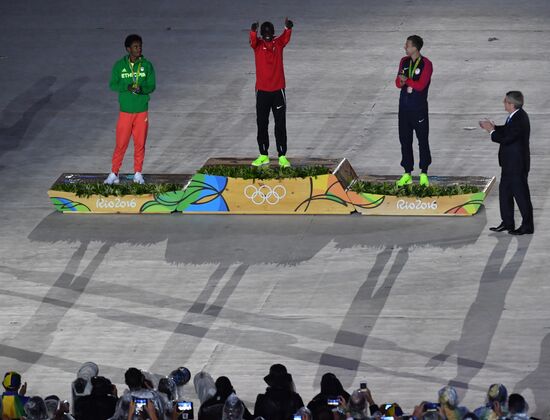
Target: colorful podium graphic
(231,186)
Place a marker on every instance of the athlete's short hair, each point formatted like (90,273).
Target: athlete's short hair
(130,39)
(267,27)
(416,41)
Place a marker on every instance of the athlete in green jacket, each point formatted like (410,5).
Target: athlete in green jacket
(133,77)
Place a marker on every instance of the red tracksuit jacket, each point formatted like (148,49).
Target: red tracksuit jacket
(270,74)
(420,83)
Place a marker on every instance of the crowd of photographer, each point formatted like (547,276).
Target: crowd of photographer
(94,397)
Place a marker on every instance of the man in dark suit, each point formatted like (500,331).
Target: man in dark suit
(514,159)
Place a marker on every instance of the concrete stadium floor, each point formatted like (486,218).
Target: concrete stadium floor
(409,304)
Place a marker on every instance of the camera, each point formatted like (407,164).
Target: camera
(185,408)
(429,406)
(140,404)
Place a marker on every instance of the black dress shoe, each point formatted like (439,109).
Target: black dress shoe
(501,228)
(522,231)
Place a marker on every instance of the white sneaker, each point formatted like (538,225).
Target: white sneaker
(138,178)
(112,179)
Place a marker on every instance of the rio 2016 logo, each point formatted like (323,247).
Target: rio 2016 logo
(416,205)
(117,203)
(264,194)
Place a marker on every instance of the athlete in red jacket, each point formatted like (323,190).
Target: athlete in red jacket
(270,88)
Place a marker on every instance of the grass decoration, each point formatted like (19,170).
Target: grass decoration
(264,172)
(88,189)
(85,189)
(414,190)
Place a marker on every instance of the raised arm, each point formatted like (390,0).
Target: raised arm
(254,35)
(284,38)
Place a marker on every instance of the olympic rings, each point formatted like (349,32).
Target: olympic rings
(264,194)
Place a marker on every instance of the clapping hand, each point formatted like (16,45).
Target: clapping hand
(487,125)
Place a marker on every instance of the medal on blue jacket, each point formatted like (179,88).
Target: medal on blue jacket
(412,72)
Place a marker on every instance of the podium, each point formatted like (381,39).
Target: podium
(228,185)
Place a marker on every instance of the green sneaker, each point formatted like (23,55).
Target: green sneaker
(261,160)
(424,181)
(406,179)
(283,162)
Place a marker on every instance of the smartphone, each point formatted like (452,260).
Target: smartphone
(297,417)
(386,418)
(185,406)
(431,406)
(333,401)
(140,404)
(363,385)
(186,409)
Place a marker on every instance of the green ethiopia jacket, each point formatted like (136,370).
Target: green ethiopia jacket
(122,76)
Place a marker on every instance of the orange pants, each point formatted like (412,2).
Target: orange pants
(130,125)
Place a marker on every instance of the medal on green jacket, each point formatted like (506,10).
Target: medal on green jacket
(135,67)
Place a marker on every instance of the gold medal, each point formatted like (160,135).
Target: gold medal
(134,67)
